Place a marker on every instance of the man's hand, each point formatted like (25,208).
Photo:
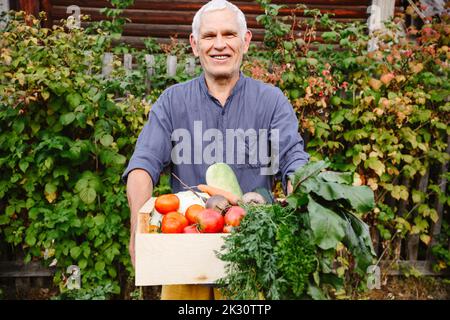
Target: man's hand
(139,190)
(289,187)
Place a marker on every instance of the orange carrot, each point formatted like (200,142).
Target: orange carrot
(212,191)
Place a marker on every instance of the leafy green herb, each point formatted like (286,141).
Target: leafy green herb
(305,248)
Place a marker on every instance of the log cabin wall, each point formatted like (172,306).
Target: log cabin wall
(163,19)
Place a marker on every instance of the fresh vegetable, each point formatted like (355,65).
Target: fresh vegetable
(154,225)
(316,245)
(220,175)
(234,216)
(210,221)
(253,197)
(192,212)
(212,191)
(268,197)
(218,203)
(271,255)
(167,203)
(188,198)
(173,222)
(191,229)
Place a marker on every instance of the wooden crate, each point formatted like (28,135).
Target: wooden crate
(163,259)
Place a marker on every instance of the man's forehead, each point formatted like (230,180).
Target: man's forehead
(219,20)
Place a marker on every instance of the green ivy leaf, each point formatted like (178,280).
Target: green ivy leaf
(82,263)
(112,272)
(23,165)
(75,252)
(50,188)
(316,293)
(106,140)
(330,36)
(100,266)
(88,195)
(376,165)
(67,118)
(18,126)
(33,213)
(418,196)
(4,219)
(73,99)
(400,192)
(10,210)
(30,239)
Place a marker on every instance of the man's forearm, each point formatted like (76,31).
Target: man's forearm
(139,190)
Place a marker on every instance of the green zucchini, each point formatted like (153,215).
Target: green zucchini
(220,175)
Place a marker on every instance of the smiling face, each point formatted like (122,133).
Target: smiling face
(220,46)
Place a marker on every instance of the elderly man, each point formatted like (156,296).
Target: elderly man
(206,116)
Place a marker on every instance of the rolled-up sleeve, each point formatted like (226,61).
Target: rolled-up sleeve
(292,154)
(153,147)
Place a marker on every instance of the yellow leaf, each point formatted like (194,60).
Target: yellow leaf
(340,246)
(45,95)
(340,271)
(404,194)
(372,183)
(375,84)
(400,78)
(395,193)
(442,265)
(425,238)
(7,59)
(403,223)
(416,67)
(434,215)
(357,179)
(415,230)
(50,196)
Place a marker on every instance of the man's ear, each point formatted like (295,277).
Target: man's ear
(247,39)
(193,44)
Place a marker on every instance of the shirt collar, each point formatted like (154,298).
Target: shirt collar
(239,84)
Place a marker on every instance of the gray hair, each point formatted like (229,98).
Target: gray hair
(219,5)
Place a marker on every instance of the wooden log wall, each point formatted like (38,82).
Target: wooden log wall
(163,19)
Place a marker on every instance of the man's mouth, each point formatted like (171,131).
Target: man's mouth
(220,57)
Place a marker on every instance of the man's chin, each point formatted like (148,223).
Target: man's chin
(223,75)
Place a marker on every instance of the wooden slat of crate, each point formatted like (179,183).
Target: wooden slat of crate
(178,259)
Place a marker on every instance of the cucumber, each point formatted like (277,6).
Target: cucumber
(220,175)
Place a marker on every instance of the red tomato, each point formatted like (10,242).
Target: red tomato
(173,222)
(210,221)
(167,203)
(191,229)
(192,212)
(234,216)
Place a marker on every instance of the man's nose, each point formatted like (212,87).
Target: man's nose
(219,42)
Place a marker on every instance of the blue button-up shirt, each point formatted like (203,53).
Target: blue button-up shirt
(188,129)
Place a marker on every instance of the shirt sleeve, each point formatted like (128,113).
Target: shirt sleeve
(153,146)
(292,154)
